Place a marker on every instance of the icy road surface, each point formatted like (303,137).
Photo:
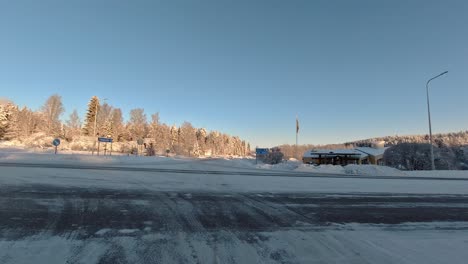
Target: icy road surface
(185,213)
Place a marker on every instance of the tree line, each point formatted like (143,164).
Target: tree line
(453,139)
(442,141)
(105,120)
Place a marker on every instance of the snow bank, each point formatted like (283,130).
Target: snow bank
(283,166)
(330,169)
(372,170)
(367,170)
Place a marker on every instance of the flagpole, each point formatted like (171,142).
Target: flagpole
(296,145)
(297,132)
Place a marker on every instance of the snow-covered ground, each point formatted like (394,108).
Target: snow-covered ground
(423,242)
(14,154)
(193,176)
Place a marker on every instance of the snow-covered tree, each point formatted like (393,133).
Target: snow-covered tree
(73,125)
(187,139)
(6,111)
(174,133)
(28,122)
(137,123)
(74,121)
(9,128)
(22,123)
(89,128)
(201,140)
(51,112)
(117,124)
(154,127)
(165,142)
(104,120)
(107,130)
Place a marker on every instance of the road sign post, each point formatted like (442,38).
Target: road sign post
(56,143)
(261,152)
(105,140)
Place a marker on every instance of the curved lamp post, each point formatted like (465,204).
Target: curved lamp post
(429,116)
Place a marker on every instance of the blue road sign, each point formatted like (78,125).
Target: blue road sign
(261,151)
(104,139)
(56,142)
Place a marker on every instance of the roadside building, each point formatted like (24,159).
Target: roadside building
(334,156)
(360,155)
(375,155)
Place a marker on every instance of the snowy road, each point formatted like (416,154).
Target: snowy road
(42,224)
(244,172)
(52,214)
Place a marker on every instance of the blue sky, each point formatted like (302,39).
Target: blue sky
(349,69)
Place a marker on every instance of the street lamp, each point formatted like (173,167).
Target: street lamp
(429,116)
(95,117)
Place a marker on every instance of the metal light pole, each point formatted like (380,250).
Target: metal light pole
(95,117)
(429,116)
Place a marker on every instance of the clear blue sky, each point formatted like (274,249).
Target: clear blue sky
(349,69)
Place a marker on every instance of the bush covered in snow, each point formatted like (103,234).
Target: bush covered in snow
(38,140)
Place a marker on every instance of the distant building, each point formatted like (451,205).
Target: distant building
(333,156)
(374,155)
(360,155)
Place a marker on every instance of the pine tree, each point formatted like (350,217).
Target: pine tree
(93,108)
(5,117)
(9,121)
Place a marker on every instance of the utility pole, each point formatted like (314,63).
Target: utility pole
(95,116)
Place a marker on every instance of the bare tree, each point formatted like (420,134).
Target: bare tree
(28,121)
(117,124)
(51,111)
(73,125)
(137,123)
